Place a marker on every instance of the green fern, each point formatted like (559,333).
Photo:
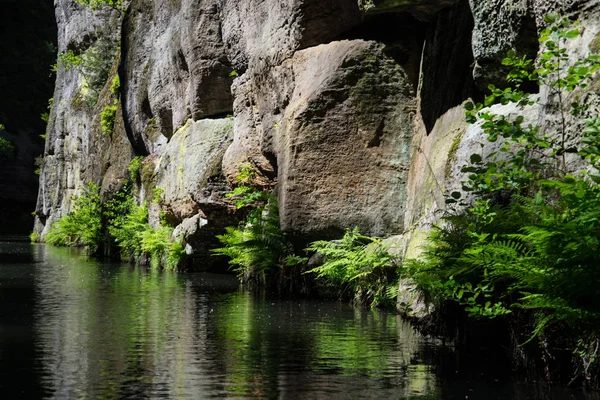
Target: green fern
(257,247)
(360,264)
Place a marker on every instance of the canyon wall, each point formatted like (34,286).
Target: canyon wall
(352,107)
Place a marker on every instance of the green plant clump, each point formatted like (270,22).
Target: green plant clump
(135,167)
(138,240)
(107,118)
(115,85)
(100,4)
(93,64)
(34,237)
(7,149)
(83,226)
(118,221)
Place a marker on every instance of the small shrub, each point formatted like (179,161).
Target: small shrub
(256,247)
(158,195)
(100,4)
(107,118)
(83,226)
(34,237)
(134,168)
(137,239)
(7,149)
(115,85)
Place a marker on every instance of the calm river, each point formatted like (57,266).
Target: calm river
(75,328)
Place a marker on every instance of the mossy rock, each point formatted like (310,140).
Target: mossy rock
(595,45)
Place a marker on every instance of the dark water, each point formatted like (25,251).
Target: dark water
(73,328)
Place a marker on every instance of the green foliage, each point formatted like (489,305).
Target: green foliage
(257,247)
(93,64)
(528,153)
(158,195)
(531,239)
(360,264)
(107,118)
(134,168)
(127,232)
(83,226)
(123,222)
(128,225)
(34,237)
(45,116)
(115,85)
(100,4)
(7,149)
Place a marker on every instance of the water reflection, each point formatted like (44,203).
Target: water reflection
(83,329)
(110,331)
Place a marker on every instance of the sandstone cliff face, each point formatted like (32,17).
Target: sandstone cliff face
(352,107)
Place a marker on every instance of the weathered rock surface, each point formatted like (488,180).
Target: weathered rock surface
(77,152)
(174,68)
(420,8)
(191,158)
(266,32)
(335,122)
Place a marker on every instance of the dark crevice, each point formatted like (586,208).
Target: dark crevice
(402,34)
(528,45)
(136,141)
(376,140)
(181,61)
(146,109)
(82,45)
(447,68)
(222,115)
(166,121)
(272,157)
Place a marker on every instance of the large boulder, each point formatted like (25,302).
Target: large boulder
(190,160)
(334,121)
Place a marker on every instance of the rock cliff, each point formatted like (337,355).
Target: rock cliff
(353,107)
